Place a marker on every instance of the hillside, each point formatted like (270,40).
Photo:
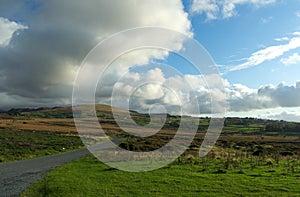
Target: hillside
(247,149)
(240,133)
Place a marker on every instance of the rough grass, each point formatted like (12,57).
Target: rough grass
(231,171)
(89,177)
(19,145)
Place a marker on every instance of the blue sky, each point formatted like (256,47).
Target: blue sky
(233,39)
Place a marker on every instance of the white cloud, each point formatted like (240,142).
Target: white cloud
(230,5)
(192,92)
(287,115)
(282,39)
(244,99)
(297,13)
(297,33)
(209,7)
(293,59)
(43,58)
(7,28)
(223,8)
(268,53)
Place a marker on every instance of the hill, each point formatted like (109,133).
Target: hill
(238,133)
(247,149)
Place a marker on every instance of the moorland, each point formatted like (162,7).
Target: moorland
(251,157)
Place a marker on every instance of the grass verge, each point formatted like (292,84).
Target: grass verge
(89,177)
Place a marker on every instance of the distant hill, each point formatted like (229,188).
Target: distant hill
(56,112)
(105,110)
(19,111)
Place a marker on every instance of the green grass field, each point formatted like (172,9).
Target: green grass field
(252,157)
(18,145)
(90,177)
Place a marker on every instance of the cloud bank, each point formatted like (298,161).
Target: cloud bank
(192,90)
(40,63)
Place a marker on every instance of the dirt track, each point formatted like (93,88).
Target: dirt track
(15,177)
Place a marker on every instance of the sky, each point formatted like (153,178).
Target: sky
(254,43)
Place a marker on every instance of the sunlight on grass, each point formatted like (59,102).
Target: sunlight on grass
(89,177)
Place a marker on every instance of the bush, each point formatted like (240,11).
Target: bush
(257,152)
(286,153)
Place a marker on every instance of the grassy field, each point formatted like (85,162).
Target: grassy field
(252,157)
(26,136)
(89,177)
(18,145)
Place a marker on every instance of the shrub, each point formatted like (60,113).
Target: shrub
(286,153)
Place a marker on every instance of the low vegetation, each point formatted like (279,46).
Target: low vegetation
(188,176)
(252,156)
(18,145)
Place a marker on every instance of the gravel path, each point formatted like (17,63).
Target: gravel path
(15,177)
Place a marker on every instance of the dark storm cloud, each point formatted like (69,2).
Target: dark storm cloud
(40,62)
